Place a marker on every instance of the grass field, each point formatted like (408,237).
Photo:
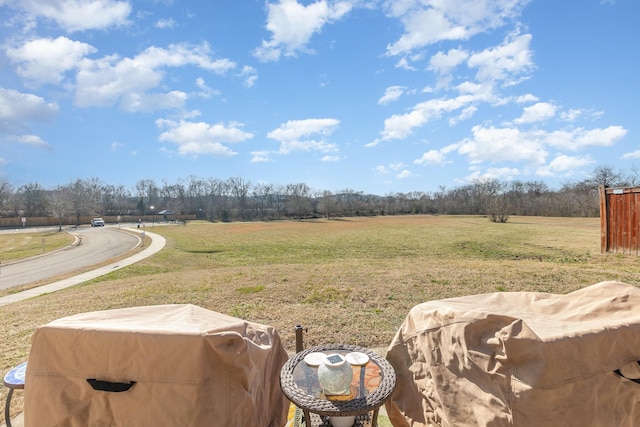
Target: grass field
(349,280)
(21,245)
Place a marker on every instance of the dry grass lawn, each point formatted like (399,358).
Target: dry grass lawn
(349,280)
(20,245)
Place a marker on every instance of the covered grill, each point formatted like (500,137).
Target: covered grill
(168,365)
(520,359)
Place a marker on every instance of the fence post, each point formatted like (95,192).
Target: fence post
(604,220)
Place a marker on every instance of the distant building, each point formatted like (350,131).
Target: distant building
(167,215)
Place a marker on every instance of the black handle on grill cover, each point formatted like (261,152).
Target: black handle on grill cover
(630,371)
(101,385)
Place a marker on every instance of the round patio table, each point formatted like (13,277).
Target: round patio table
(371,386)
(13,380)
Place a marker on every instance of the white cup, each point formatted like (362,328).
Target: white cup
(342,421)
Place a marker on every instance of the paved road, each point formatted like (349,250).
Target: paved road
(94,246)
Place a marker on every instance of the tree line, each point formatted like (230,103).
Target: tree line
(236,199)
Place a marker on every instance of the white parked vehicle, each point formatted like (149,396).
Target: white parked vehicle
(97,222)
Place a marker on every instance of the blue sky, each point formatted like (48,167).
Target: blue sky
(372,95)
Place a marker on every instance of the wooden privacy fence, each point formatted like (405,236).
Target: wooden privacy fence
(619,220)
(20,222)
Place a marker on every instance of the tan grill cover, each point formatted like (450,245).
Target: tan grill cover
(191,367)
(520,359)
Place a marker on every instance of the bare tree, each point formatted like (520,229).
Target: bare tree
(348,201)
(298,199)
(148,193)
(218,200)
(239,189)
(498,208)
(77,194)
(173,196)
(60,204)
(327,203)
(263,196)
(6,192)
(196,193)
(607,176)
(118,200)
(34,200)
(634,177)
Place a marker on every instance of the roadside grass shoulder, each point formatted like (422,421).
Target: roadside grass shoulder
(16,246)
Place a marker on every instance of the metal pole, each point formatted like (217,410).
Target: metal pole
(7,415)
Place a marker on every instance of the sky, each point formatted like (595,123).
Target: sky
(376,96)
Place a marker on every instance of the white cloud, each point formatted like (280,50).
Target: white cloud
(381,169)
(45,60)
(563,164)
(432,157)
(400,126)
(571,115)
(436,157)
(580,138)
(165,23)
(602,137)
(403,63)
(443,63)
(494,173)
(79,15)
(423,27)
(399,168)
(260,157)
(504,62)
(480,92)
(501,63)
(392,93)
(632,155)
(327,159)
(205,91)
(536,113)
(465,114)
(296,135)
(404,174)
(428,22)
(110,79)
(134,102)
(502,173)
(250,76)
(502,145)
(523,99)
(181,54)
(293,24)
(18,110)
(289,146)
(32,140)
(511,145)
(295,129)
(196,138)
